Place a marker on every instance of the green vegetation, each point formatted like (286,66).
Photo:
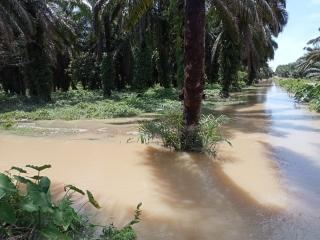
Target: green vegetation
(87,104)
(84,104)
(303,90)
(28,212)
(169,129)
(54,45)
(303,75)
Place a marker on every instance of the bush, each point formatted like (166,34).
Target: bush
(240,81)
(169,128)
(28,212)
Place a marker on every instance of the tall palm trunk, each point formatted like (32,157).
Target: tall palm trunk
(162,44)
(193,72)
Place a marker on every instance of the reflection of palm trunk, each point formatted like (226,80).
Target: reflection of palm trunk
(193,71)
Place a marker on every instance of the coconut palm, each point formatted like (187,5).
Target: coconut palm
(309,64)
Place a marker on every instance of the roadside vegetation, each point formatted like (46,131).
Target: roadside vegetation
(302,77)
(27,210)
(303,90)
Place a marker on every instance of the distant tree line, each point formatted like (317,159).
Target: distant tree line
(307,66)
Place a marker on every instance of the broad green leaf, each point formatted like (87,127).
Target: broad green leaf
(39,198)
(39,168)
(73,188)
(6,185)
(20,170)
(28,205)
(7,213)
(44,184)
(64,215)
(92,200)
(53,233)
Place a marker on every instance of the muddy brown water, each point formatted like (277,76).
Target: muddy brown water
(266,186)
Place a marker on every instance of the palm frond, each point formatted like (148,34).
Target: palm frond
(136,12)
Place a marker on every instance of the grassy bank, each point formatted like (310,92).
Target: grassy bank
(83,104)
(303,90)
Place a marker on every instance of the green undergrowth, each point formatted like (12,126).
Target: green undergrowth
(83,104)
(303,90)
(27,210)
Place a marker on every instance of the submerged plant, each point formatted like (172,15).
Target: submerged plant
(169,129)
(28,212)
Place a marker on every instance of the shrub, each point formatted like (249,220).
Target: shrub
(28,212)
(169,128)
(240,81)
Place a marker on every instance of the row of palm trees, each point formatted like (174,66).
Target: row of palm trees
(238,34)
(139,43)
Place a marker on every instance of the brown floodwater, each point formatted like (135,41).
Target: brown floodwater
(266,186)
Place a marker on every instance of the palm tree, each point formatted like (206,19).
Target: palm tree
(193,71)
(244,22)
(42,32)
(309,64)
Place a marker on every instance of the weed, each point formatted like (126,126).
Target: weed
(28,212)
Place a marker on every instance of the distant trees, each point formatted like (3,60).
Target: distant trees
(307,66)
(286,70)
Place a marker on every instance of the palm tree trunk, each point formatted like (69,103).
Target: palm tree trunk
(193,72)
(162,44)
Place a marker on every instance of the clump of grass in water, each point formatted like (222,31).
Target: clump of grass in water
(169,128)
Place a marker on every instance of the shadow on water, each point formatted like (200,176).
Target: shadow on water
(302,176)
(204,201)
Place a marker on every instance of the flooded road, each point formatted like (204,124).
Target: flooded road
(266,186)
